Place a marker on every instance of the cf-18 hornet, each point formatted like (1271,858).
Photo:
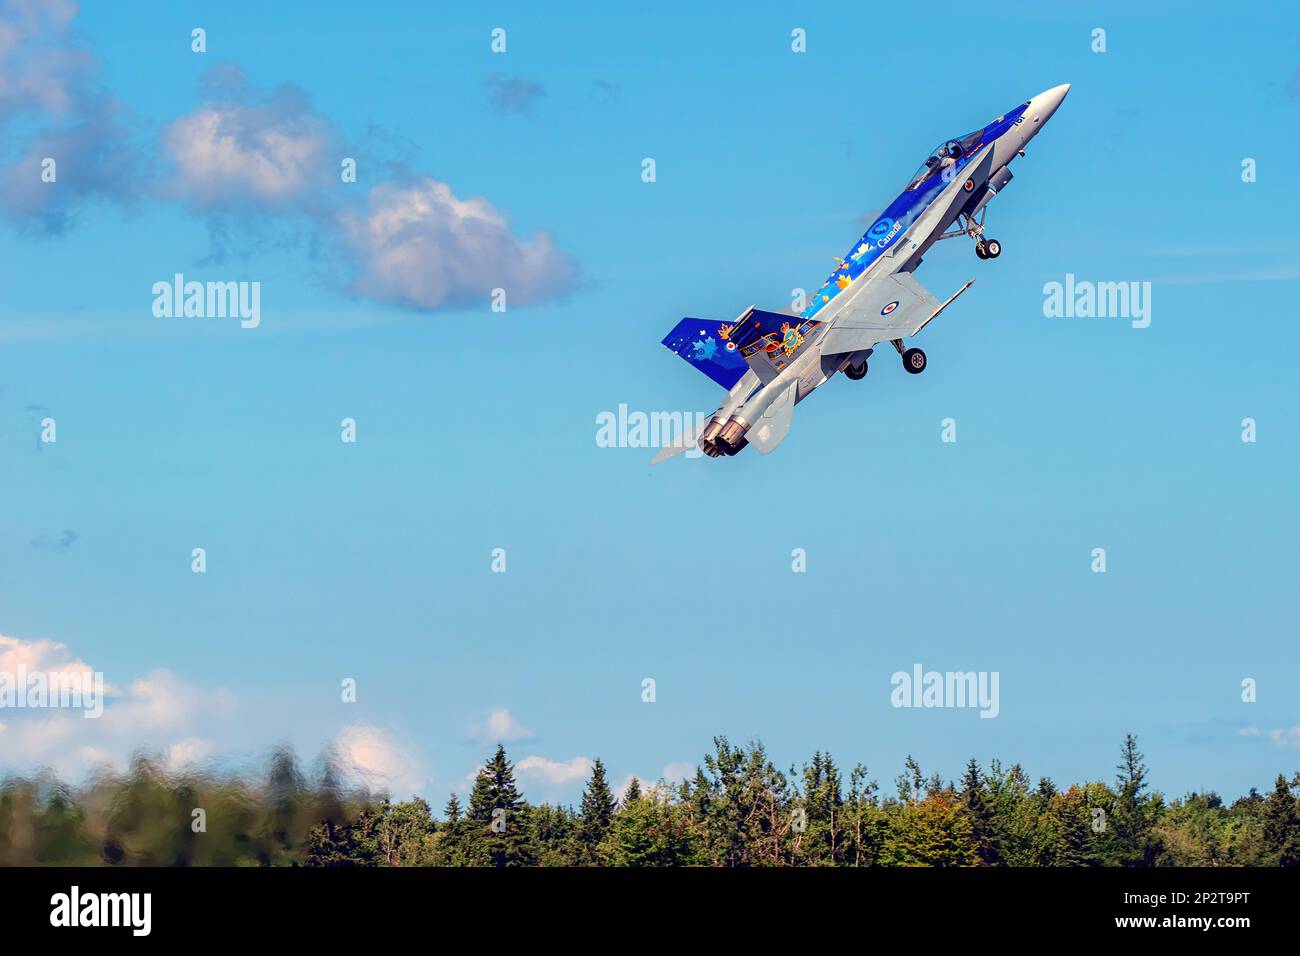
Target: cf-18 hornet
(771,361)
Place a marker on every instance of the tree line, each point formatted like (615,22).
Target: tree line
(737,810)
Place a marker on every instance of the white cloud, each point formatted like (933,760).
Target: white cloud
(251,160)
(51,106)
(273,150)
(184,726)
(373,757)
(37,655)
(187,753)
(421,246)
(38,70)
(501,727)
(554,772)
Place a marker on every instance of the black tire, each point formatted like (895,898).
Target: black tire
(914,361)
(992,249)
(856,373)
(979,249)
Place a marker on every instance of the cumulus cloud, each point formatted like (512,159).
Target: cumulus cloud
(512,94)
(39,69)
(554,772)
(37,655)
(248,160)
(248,147)
(501,727)
(419,245)
(412,243)
(157,712)
(182,725)
(49,92)
(375,758)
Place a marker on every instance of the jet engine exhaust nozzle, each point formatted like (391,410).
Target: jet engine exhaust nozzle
(732,437)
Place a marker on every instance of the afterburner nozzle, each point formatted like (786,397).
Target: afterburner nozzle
(732,435)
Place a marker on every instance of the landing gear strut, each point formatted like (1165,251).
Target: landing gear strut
(984,248)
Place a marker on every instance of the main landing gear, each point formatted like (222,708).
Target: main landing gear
(913,359)
(988,248)
(856,373)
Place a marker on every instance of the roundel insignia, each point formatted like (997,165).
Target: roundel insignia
(969,185)
(889,308)
(731,346)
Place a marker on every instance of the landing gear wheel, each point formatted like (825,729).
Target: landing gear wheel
(979,249)
(856,373)
(914,361)
(992,249)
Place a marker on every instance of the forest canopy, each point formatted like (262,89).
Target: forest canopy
(737,810)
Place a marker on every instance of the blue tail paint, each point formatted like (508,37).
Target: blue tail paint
(700,342)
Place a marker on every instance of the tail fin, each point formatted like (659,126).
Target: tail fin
(705,344)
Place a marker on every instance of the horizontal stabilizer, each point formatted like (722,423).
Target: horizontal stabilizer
(683,442)
(774,424)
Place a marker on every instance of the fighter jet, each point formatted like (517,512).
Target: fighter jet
(771,361)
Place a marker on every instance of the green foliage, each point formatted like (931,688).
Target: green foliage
(597,813)
(737,810)
(498,822)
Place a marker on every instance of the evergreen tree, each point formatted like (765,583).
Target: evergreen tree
(935,831)
(651,831)
(633,791)
(452,810)
(823,840)
(1282,826)
(496,832)
(984,829)
(596,812)
(1127,839)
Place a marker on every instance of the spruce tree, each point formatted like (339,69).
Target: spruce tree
(452,810)
(633,792)
(1127,837)
(984,825)
(1282,825)
(497,831)
(596,813)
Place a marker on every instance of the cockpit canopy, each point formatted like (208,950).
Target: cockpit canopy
(948,153)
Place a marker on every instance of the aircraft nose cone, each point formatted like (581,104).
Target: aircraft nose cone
(1046,103)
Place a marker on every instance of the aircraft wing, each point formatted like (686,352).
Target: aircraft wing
(889,307)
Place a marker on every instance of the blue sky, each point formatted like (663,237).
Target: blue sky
(476,430)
